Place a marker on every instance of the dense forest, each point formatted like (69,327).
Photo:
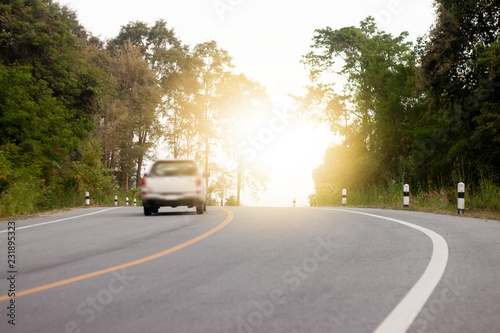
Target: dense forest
(78,113)
(427,114)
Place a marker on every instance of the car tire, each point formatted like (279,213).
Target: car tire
(155,209)
(147,211)
(204,206)
(199,209)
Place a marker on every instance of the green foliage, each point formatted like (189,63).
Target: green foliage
(79,114)
(427,115)
(23,196)
(150,64)
(34,123)
(459,71)
(484,199)
(47,89)
(232,201)
(214,69)
(487,196)
(382,101)
(89,174)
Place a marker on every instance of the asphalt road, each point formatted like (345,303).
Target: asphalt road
(251,270)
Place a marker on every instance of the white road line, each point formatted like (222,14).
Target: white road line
(403,315)
(60,220)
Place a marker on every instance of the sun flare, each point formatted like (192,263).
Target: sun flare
(291,158)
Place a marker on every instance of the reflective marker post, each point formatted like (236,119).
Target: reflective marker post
(406,196)
(87,198)
(116,200)
(461,198)
(135,202)
(126,201)
(344,197)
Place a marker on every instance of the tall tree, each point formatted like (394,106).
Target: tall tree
(458,71)
(167,58)
(48,88)
(180,108)
(215,69)
(380,102)
(175,68)
(243,102)
(109,112)
(139,96)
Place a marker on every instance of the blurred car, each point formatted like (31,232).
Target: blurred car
(174,182)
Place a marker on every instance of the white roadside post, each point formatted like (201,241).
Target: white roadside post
(87,198)
(461,198)
(116,200)
(406,196)
(126,199)
(344,197)
(135,202)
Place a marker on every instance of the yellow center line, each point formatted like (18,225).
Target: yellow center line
(228,219)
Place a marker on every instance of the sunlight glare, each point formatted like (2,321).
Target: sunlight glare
(292,158)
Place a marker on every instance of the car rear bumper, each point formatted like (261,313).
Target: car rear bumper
(178,199)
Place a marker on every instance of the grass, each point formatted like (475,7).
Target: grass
(481,202)
(29,199)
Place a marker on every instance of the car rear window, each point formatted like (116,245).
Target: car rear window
(174,168)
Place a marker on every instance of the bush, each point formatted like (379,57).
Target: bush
(23,196)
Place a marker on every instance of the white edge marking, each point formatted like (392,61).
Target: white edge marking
(403,315)
(60,220)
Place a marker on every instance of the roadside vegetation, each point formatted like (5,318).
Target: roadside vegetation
(481,202)
(426,114)
(80,114)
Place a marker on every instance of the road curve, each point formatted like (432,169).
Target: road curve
(261,270)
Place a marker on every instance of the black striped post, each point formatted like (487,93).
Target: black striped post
(116,200)
(461,198)
(126,200)
(135,202)
(87,198)
(406,196)
(344,197)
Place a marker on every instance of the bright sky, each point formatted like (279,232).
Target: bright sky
(266,39)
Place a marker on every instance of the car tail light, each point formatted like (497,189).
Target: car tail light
(199,181)
(143,182)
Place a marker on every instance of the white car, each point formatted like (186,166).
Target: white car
(175,182)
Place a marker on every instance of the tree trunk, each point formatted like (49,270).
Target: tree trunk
(239,178)
(126,183)
(207,159)
(139,167)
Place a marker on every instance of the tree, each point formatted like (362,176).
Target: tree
(34,133)
(167,59)
(180,108)
(48,89)
(243,102)
(215,69)
(416,113)
(109,113)
(231,201)
(139,96)
(380,102)
(458,71)
(223,184)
